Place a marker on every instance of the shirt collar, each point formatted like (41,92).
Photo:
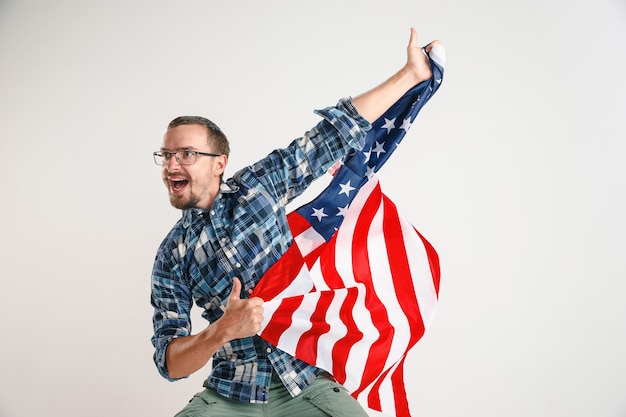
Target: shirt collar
(190,214)
(228,187)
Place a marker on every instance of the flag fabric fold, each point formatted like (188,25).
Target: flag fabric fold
(359,285)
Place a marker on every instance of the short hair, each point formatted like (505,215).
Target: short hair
(216,138)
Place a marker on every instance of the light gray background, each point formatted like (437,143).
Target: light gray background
(514,172)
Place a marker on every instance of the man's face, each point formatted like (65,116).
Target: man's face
(196,185)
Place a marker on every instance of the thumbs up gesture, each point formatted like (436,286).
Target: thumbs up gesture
(242,317)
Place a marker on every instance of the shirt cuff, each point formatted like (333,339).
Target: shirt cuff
(348,121)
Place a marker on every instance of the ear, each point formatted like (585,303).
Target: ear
(220,164)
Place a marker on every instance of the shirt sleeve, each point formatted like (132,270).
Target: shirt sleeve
(287,172)
(172,302)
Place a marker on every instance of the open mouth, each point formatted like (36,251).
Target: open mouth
(177,185)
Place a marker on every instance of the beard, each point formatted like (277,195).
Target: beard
(186,192)
(184,203)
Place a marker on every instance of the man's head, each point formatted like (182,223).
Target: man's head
(191,176)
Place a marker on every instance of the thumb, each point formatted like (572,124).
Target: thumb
(234,293)
(412,38)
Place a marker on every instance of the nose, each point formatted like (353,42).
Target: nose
(172,163)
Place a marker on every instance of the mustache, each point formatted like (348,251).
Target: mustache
(177,174)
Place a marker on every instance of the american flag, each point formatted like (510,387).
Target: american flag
(359,285)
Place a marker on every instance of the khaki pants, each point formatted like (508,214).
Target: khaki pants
(323,398)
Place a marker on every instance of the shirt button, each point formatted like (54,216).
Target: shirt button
(212,212)
(268,350)
(238,265)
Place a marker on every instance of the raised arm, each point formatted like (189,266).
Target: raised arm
(373,103)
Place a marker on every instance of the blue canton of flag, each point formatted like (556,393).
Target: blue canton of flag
(358,166)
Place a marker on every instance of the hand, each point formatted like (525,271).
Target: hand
(242,317)
(417,61)
(375,102)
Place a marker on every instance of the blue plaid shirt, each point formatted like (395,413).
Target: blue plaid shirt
(243,234)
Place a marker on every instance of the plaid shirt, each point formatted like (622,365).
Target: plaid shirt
(243,234)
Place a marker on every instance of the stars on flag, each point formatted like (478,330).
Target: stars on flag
(367,155)
(319,213)
(406,125)
(389,124)
(346,188)
(342,211)
(380,148)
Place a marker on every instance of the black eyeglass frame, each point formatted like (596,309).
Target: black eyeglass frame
(162,157)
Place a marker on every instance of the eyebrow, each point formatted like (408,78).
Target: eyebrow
(184,148)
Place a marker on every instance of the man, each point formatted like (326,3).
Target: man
(231,231)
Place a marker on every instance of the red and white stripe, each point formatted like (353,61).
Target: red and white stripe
(355,305)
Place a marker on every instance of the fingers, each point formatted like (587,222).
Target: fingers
(430,45)
(418,58)
(234,293)
(242,317)
(413,39)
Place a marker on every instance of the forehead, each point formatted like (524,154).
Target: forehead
(186,136)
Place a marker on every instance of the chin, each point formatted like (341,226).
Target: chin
(183,203)
(178,203)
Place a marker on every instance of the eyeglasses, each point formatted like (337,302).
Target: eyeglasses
(185,157)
